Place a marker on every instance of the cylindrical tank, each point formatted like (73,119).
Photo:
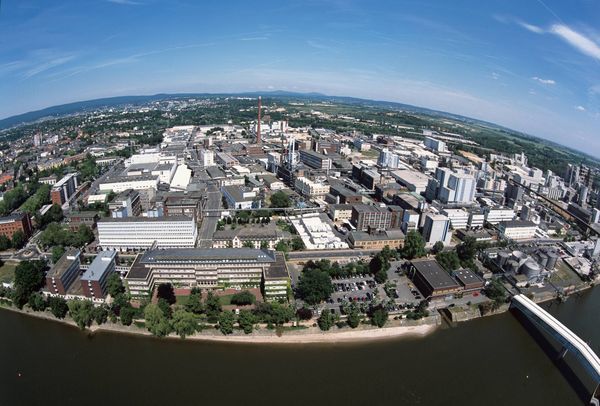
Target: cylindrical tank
(518,255)
(503,257)
(552,258)
(531,269)
(512,265)
(543,259)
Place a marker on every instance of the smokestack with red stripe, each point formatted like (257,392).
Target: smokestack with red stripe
(258,125)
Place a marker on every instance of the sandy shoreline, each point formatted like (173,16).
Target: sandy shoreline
(307,336)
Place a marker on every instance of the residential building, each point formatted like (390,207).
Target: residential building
(62,275)
(138,233)
(94,280)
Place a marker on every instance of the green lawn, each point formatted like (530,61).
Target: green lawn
(7,272)
(181,300)
(225,300)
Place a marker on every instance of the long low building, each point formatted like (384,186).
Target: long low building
(210,269)
(139,233)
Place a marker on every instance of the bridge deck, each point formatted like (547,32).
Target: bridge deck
(573,339)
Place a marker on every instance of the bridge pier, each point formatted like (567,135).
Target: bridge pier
(595,400)
(563,352)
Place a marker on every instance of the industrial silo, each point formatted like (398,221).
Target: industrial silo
(531,269)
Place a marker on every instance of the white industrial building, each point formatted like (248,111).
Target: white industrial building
(315,233)
(140,233)
(517,230)
(436,228)
(459,218)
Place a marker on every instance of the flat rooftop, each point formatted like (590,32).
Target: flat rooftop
(64,263)
(434,274)
(99,266)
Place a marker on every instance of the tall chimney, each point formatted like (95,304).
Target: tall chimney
(258,125)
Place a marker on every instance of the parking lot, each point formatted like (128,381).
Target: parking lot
(357,289)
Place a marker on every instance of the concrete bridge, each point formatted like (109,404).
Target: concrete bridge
(568,341)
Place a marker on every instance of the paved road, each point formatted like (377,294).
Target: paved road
(209,222)
(319,254)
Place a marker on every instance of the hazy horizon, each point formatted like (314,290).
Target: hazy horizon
(530,67)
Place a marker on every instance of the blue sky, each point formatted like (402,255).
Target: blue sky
(531,65)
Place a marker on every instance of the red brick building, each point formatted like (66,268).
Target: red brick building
(11,224)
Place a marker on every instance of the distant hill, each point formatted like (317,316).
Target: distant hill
(83,106)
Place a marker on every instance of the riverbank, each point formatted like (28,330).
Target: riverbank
(306,335)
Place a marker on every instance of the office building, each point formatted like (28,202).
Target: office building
(207,157)
(62,275)
(496,215)
(63,190)
(95,278)
(79,218)
(12,223)
(459,218)
(209,269)
(126,204)
(365,217)
(388,159)
(307,187)
(517,230)
(240,197)
(139,233)
(436,228)
(315,160)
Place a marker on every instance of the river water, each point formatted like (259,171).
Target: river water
(491,361)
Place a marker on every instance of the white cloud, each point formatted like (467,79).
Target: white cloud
(544,81)
(46,65)
(580,108)
(125,2)
(577,40)
(495,76)
(530,27)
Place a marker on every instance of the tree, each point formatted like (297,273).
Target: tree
(213,306)
(448,260)
(37,302)
(467,250)
(297,244)
(437,247)
(282,246)
(379,316)
(353,316)
(280,199)
(126,315)
(53,215)
(379,266)
(326,320)
(246,321)
(57,253)
(243,298)
(84,236)
(114,285)
(58,307)
(314,286)
(184,323)
(165,291)
(281,314)
(414,245)
(29,277)
(156,322)
(5,243)
(82,312)
(165,307)
(304,313)
(194,303)
(100,314)
(226,320)
(18,239)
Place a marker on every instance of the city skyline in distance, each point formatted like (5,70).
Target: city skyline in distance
(530,67)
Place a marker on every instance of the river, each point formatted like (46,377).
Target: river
(491,361)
